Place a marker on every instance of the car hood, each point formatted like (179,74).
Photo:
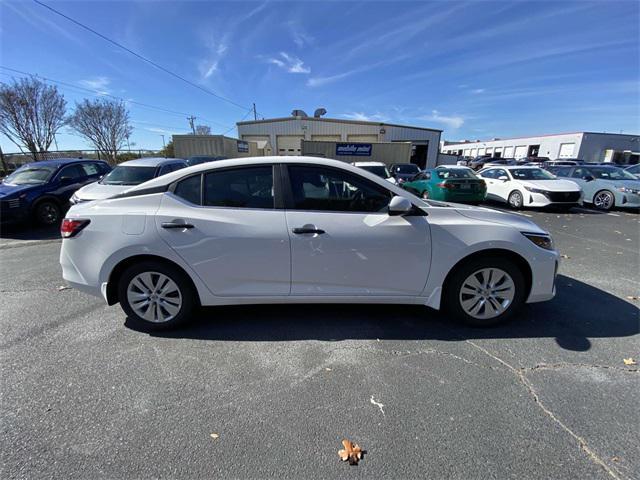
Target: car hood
(499,217)
(99,191)
(553,185)
(7,189)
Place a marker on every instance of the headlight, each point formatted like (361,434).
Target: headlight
(541,240)
(535,190)
(635,191)
(74,199)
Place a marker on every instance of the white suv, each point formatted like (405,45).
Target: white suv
(377,168)
(299,230)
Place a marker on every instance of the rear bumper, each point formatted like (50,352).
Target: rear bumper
(74,278)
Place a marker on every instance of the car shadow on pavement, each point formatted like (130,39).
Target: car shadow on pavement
(29,232)
(578,312)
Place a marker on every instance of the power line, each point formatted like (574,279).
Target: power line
(141,57)
(105,94)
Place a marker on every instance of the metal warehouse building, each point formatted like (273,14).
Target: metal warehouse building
(588,146)
(185,146)
(284,136)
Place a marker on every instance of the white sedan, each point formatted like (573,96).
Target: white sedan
(529,187)
(299,230)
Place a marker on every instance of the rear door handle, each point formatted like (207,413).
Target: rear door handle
(303,230)
(176,225)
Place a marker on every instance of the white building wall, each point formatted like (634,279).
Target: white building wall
(591,147)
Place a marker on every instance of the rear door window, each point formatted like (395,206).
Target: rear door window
(190,189)
(250,187)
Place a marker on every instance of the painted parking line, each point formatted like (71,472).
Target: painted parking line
(613,214)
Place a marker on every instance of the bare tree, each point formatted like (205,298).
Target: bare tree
(202,130)
(31,112)
(103,122)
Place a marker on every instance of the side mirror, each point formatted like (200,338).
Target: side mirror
(399,206)
(65,180)
(503,178)
(589,178)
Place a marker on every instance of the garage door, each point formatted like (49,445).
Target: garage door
(326,138)
(521,151)
(508,152)
(362,138)
(566,150)
(289,144)
(481,152)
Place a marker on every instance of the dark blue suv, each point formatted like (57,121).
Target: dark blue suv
(41,190)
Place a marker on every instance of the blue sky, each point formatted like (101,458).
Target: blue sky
(476,69)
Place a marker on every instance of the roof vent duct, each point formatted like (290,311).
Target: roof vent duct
(319,112)
(299,113)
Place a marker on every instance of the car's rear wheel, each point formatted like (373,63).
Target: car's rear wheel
(156,295)
(425,194)
(485,291)
(47,213)
(515,200)
(604,200)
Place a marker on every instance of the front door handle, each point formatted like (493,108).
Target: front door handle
(303,230)
(176,225)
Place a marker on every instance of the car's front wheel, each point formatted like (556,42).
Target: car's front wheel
(156,295)
(604,200)
(485,291)
(515,200)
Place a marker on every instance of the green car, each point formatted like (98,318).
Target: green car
(450,184)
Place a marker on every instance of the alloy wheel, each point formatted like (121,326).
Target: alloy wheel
(515,199)
(154,297)
(487,293)
(603,200)
(48,213)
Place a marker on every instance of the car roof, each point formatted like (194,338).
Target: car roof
(369,164)
(150,161)
(56,162)
(250,161)
(463,167)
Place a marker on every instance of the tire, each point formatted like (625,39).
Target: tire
(515,200)
(169,310)
(604,200)
(47,213)
(494,309)
(425,195)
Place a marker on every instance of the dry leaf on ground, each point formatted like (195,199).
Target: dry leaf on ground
(632,297)
(564,256)
(215,435)
(63,287)
(629,361)
(351,452)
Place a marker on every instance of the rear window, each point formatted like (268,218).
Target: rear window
(189,189)
(455,173)
(124,175)
(408,168)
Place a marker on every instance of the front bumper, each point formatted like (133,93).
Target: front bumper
(535,199)
(544,273)
(13,211)
(628,200)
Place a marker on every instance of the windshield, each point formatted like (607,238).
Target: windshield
(30,175)
(408,168)
(531,174)
(379,170)
(198,160)
(611,173)
(456,173)
(124,175)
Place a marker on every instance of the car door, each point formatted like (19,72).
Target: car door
(69,179)
(583,178)
(502,188)
(343,241)
(224,223)
(489,177)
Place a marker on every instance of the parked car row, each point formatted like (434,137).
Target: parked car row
(523,185)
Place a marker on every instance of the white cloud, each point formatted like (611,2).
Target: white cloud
(290,63)
(217,51)
(320,81)
(450,121)
(478,91)
(100,84)
(376,117)
(298,34)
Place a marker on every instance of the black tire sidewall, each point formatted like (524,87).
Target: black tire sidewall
(189,302)
(450,297)
(40,205)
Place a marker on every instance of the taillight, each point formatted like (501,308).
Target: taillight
(71,227)
(446,185)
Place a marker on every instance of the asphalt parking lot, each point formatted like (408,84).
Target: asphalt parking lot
(270,391)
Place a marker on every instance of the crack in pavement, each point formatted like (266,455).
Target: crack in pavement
(561,365)
(584,446)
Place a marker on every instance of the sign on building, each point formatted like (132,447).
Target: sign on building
(354,149)
(243,147)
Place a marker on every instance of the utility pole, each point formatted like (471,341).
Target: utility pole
(164,145)
(4,164)
(191,120)
(255,114)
